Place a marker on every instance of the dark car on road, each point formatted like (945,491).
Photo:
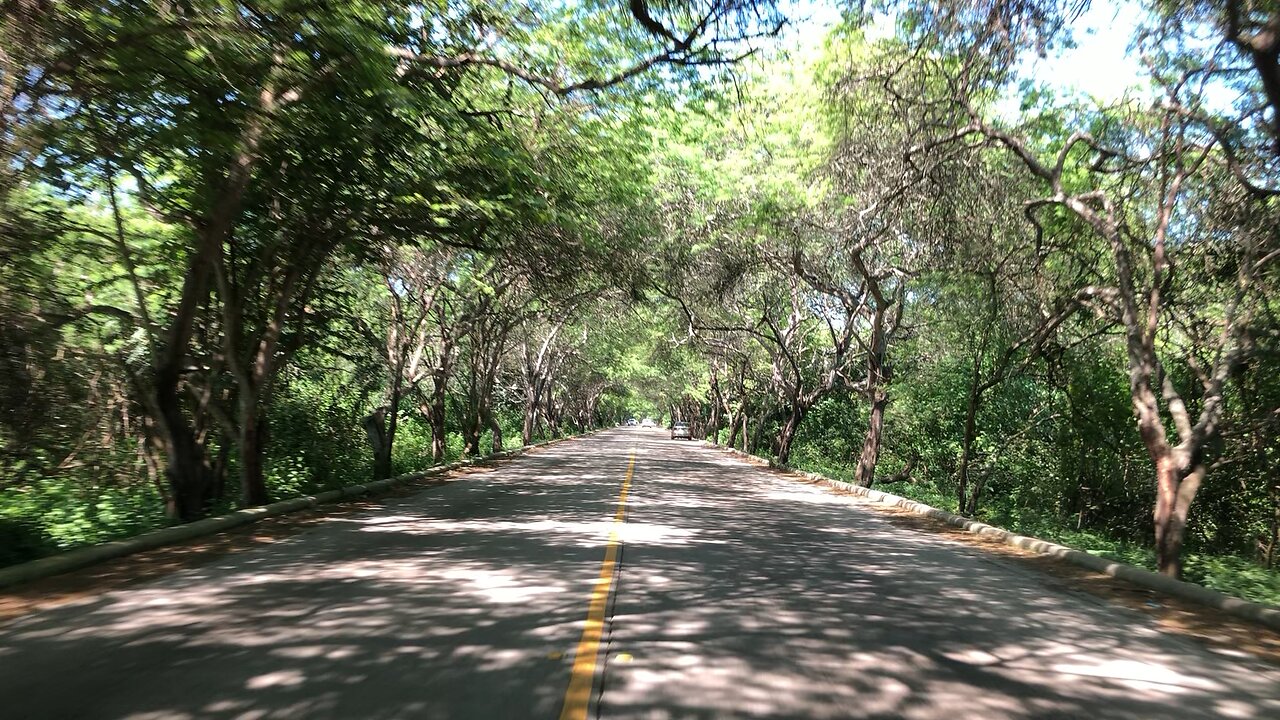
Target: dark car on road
(680,431)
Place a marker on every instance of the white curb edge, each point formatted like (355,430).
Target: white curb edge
(1268,615)
(85,556)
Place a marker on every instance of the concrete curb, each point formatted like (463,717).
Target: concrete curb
(93,554)
(1268,615)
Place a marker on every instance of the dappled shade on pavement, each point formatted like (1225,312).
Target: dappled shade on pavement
(778,599)
(741,594)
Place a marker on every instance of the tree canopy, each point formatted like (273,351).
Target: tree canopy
(251,250)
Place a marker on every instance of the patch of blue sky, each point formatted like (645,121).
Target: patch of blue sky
(1100,65)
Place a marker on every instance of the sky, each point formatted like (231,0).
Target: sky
(1099,66)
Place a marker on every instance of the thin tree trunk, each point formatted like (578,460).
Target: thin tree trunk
(905,473)
(187,466)
(788,435)
(877,377)
(1273,535)
(758,434)
(975,495)
(967,504)
(375,426)
(381,428)
(393,424)
(439,442)
(531,395)
(253,486)
(495,428)
(866,472)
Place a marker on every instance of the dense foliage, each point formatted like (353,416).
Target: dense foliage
(256,250)
(935,274)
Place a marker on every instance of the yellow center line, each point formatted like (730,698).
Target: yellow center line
(582,678)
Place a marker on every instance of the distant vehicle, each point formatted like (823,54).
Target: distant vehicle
(631,422)
(680,431)
(647,422)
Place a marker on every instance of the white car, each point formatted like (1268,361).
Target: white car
(647,422)
(680,431)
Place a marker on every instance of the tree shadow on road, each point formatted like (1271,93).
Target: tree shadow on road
(465,601)
(793,604)
(740,595)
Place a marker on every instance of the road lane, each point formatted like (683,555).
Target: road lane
(738,594)
(584,673)
(746,595)
(464,601)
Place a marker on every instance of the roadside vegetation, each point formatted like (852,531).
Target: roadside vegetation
(251,251)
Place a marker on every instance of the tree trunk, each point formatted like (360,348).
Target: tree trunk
(531,396)
(435,415)
(219,471)
(495,428)
(788,435)
(757,435)
(187,470)
(712,431)
(393,423)
(866,471)
(471,430)
(975,495)
(191,480)
(1175,492)
(965,503)
(877,378)
(905,473)
(375,427)
(1273,527)
(471,440)
(551,412)
(381,429)
(253,430)
(1179,470)
(439,443)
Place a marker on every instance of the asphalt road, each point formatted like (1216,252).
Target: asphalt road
(736,594)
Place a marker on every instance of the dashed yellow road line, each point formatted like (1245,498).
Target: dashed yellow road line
(577,698)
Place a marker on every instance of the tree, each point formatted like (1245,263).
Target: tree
(1130,184)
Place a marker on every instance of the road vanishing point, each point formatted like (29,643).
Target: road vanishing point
(621,575)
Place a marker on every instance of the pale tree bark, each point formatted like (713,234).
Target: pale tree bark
(1180,465)
(875,387)
(717,405)
(416,291)
(537,374)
